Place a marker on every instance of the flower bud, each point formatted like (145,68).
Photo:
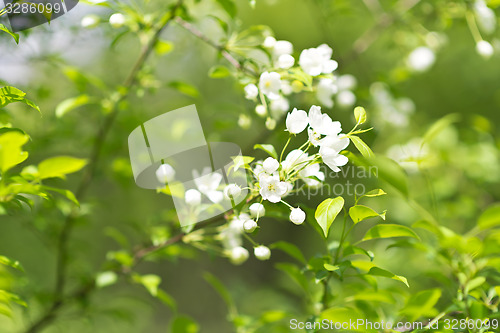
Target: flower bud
(249,226)
(484,49)
(270,123)
(269,42)
(238,255)
(251,91)
(165,173)
(117,20)
(260,110)
(297,216)
(257,210)
(262,252)
(90,21)
(232,191)
(244,121)
(193,197)
(285,61)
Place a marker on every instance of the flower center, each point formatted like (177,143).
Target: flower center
(270,187)
(267,84)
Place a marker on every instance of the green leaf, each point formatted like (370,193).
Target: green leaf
(10,95)
(373,193)
(294,273)
(439,126)
(377,271)
(268,149)
(229,6)
(331,268)
(219,72)
(490,218)
(184,88)
(14,35)
(151,282)
(220,288)
(66,193)
(361,146)
(351,249)
(475,283)
(9,297)
(167,300)
(340,315)
(360,115)
(60,166)
(326,213)
(291,249)
(11,153)
(163,47)
(359,213)
(241,161)
(70,104)
(389,231)
(184,324)
(11,263)
(422,304)
(105,279)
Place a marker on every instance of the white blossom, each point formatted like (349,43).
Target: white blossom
(117,20)
(251,91)
(269,42)
(270,165)
(297,216)
(421,59)
(207,183)
(192,197)
(90,21)
(486,18)
(282,47)
(286,61)
(316,61)
(286,87)
(296,121)
(257,210)
(270,123)
(321,124)
(270,84)
(249,226)
(346,98)
(312,170)
(262,252)
(484,49)
(165,173)
(330,148)
(271,188)
(279,105)
(346,82)
(232,191)
(295,159)
(239,255)
(325,89)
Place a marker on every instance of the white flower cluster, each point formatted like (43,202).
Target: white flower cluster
(280,80)
(275,179)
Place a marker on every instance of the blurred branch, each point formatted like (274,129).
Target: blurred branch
(385,20)
(62,244)
(220,48)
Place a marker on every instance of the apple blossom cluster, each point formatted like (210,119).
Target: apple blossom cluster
(274,179)
(285,75)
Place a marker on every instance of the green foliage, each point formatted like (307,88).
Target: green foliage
(326,213)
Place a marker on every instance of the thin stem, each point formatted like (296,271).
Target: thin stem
(284,148)
(342,238)
(471,22)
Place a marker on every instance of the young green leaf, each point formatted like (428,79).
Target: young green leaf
(219,72)
(268,149)
(60,166)
(377,271)
(490,218)
(361,146)
(11,153)
(360,115)
(105,279)
(184,324)
(11,263)
(14,35)
(326,213)
(359,213)
(389,231)
(184,88)
(70,104)
(229,6)
(163,47)
(291,249)
(422,304)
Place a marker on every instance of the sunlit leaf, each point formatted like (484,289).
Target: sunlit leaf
(490,218)
(60,166)
(326,213)
(389,231)
(268,149)
(359,213)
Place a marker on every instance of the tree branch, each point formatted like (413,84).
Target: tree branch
(62,251)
